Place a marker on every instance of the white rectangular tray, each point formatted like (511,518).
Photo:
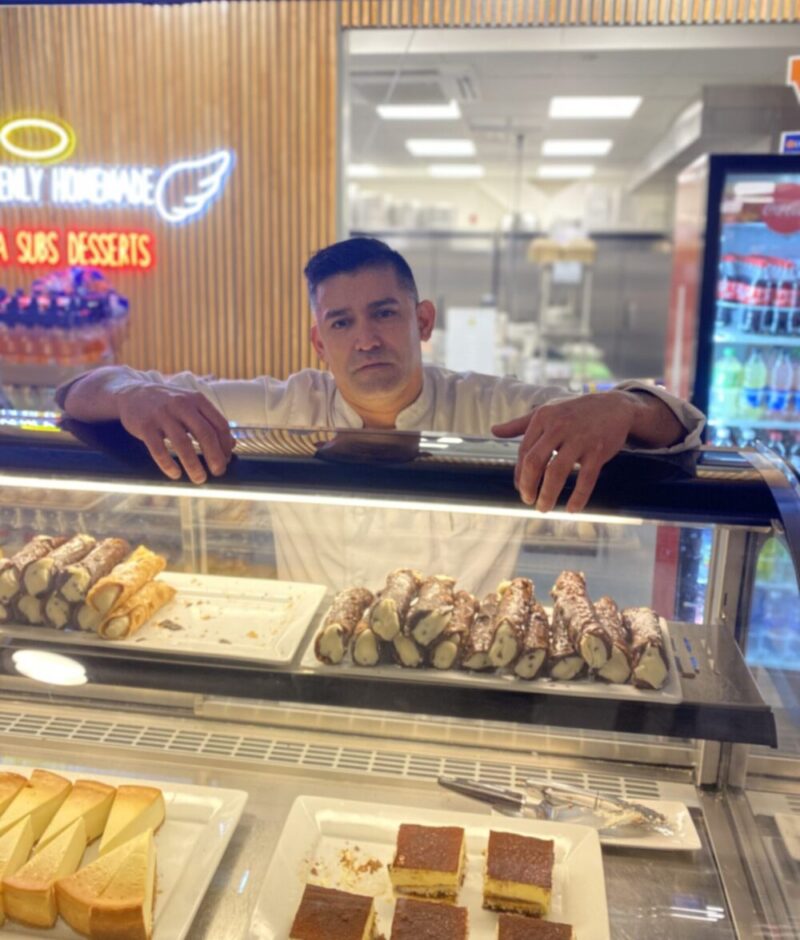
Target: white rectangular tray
(594,688)
(199,824)
(235,618)
(338,843)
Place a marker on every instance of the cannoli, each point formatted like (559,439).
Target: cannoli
(512,617)
(126,618)
(574,609)
(57,611)
(6,613)
(406,652)
(87,618)
(533,651)
(446,650)
(618,667)
(475,648)
(649,657)
(391,609)
(563,660)
(125,580)
(76,579)
(346,610)
(431,610)
(30,609)
(365,647)
(39,575)
(13,569)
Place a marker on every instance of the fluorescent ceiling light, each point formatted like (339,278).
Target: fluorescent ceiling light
(363,171)
(441,147)
(597,147)
(456,170)
(594,106)
(565,171)
(419,112)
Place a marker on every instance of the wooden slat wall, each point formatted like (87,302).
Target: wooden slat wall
(363,14)
(151,85)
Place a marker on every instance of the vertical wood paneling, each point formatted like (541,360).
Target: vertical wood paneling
(149,85)
(509,13)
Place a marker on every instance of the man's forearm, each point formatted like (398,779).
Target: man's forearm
(93,397)
(654,423)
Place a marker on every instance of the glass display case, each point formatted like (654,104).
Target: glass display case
(345,618)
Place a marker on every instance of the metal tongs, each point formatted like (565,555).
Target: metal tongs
(562,802)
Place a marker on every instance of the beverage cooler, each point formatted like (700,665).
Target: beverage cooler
(748,368)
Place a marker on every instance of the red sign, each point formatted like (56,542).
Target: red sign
(793,74)
(107,249)
(783,214)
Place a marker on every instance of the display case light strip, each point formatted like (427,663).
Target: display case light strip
(277,496)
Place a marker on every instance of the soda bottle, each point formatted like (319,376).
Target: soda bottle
(727,291)
(795,403)
(785,296)
(780,384)
(726,385)
(754,381)
(756,293)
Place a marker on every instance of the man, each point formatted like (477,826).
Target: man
(369,324)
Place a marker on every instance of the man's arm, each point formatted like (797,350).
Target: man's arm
(587,430)
(154,411)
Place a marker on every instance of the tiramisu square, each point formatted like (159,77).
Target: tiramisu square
(428,920)
(429,861)
(328,914)
(516,927)
(519,874)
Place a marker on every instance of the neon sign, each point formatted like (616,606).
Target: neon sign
(109,249)
(178,192)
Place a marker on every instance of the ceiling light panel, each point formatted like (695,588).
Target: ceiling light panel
(419,112)
(597,107)
(440,147)
(595,147)
(565,171)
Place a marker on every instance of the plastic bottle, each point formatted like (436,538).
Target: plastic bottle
(785,299)
(775,442)
(756,294)
(754,381)
(727,291)
(780,384)
(726,385)
(794,407)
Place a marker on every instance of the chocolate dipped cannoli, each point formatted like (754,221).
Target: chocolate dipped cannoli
(445,651)
(346,609)
(535,642)
(125,580)
(365,647)
(649,656)
(475,648)
(12,570)
(406,652)
(57,611)
(40,575)
(563,659)
(129,616)
(574,608)
(512,617)
(30,609)
(431,610)
(391,608)
(76,579)
(618,668)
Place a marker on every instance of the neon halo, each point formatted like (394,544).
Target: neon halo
(61,150)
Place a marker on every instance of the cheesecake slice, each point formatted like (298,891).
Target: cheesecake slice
(328,914)
(429,920)
(429,861)
(519,873)
(15,847)
(516,927)
(135,810)
(88,798)
(124,910)
(30,894)
(39,798)
(10,785)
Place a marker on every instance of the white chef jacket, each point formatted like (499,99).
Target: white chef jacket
(358,546)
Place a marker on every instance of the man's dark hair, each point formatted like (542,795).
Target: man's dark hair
(354,254)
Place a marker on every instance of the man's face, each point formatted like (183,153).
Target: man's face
(368,330)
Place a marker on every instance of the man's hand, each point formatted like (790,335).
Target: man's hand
(154,412)
(588,430)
